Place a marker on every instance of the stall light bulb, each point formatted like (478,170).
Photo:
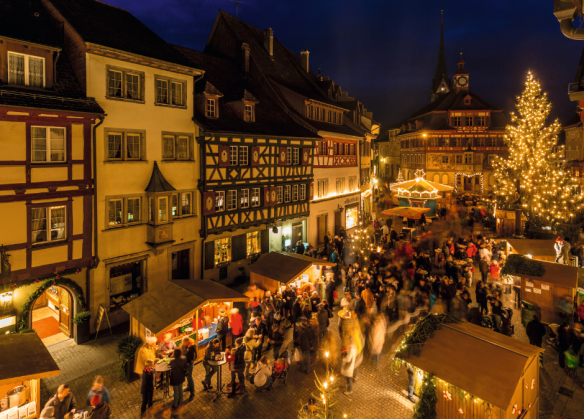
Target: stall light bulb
(325,384)
(332,378)
(327,354)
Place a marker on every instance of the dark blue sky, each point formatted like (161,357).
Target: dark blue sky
(384,52)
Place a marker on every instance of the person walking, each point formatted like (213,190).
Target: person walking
(222,328)
(236,324)
(98,388)
(535,331)
(261,331)
(63,402)
(564,343)
(250,345)
(323,321)
(304,340)
(178,372)
(239,367)
(481,294)
(348,357)
(484,268)
(189,349)
(148,385)
(276,339)
(377,339)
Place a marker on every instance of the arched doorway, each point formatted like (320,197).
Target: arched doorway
(52,315)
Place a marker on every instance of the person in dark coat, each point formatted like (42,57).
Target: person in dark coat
(360,306)
(189,349)
(304,339)
(238,368)
(323,321)
(178,373)
(148,385)
(101,409)
(481,293)
(329,291)
(288,298)
(564,342)
(474,314)
(300,247)
(535,331)
(62,402)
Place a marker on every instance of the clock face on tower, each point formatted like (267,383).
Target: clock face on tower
(462,81)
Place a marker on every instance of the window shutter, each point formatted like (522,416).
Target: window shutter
(210,254)
(239,247)
(265,238)
(282,156)
(208,203)
(255,156)
(305,156)
(274,195)
(224,156)
(487,121)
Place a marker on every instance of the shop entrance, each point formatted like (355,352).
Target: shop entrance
(338,221)
(321,223)
(52,315)
(297,232)
(181,265)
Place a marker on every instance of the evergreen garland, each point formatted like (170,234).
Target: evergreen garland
(49,280)
(425,408)
(521,265)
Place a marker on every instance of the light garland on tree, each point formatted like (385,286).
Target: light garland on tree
(532,174)
(468,175)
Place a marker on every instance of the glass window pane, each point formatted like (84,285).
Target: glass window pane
(175,205)
(115,212)
(133,210)
(162,209)
(183,148)
(39,225)
(253,243)
(57,144)
(114,144)
(133,146)
(15,69)
(161,91)
(39,144)
(177,94)
(168,148)
(36,72)
(186,203)
(57,223)
(114,83)
(132,86)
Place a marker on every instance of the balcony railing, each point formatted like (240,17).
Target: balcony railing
(576,91)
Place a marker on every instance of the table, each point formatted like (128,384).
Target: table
(164,369)
(219,364)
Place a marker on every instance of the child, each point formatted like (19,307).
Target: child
(148,384)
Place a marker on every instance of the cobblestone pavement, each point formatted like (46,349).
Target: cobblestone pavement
(378,393)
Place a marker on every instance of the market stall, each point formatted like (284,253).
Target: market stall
(20,378)
(182,308)
(507,223)
(534,249)
(278,269)
(468,385)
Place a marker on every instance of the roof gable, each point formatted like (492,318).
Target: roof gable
(27,21)
(157,182)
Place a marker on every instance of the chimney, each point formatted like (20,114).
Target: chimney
(245,58)
(269,41)
(304,59)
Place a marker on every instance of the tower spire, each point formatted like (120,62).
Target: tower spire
(441,81)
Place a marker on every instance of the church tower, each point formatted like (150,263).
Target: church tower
(441,82)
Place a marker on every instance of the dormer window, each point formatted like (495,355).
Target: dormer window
(211,108)
(467,100)
(26,70)
(249,113)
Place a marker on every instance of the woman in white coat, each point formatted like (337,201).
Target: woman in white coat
(348,358)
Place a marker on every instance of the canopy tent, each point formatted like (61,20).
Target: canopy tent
(426,184)
(407,212)
(456,355)
(283,267)
(159,309)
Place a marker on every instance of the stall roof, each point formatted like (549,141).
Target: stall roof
(21,349)
(284,266)
(557,274)
(161,307)
(533,247)
(456,353)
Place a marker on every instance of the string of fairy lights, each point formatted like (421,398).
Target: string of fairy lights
(533,171)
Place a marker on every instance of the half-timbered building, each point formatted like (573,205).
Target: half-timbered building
(46,177)
(256,167)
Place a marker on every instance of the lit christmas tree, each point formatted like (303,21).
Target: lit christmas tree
(400,177)
(326,406)
(532,174)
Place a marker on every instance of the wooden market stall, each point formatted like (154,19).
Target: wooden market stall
(535,249)
(507,221)
(278,269)
(494,368)
(182,308)
(25,360)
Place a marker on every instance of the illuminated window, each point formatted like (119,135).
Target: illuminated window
(329,116)
(253,243)
(162,209)
(220,201)
(445,159)
(289,156)
(47,144)
(287,193)
(322,188)
(222,250)
(233,160)
(133,210)
(48,224)
(481,121)
(255,197)
(243,155)
(26,70)
(248,113)
(186,203)
(115,212)
(244,198)
(457,142)
(352,183)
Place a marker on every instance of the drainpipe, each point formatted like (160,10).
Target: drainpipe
(95,258)
(566,11)
(201,172)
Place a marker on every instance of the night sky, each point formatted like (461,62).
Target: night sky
(384,53)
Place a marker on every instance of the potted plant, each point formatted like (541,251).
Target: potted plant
(81,322)
(127,347)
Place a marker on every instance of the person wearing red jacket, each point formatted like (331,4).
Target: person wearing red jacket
(236,323)
(494,268)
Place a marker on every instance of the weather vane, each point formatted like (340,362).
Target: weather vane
(237,5)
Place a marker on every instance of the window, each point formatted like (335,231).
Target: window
(457,142)
(329,117)
(335,149)
(352,183)
(491,160)
(481,121)
(294,193)
(48,224)
(177,96)
(434,142)
(124,84)
(341,149)
(446,142)
(303,192)
(309,111)
(115,212)
(253,243)
(468,158)
(352,150)
(176,147)
(162,91)
(445,159)
(211,108)
(287,193)
(162,209)
(248,117)
(243,155)
(183,148)
(151,210)
(280,194)
(295,156)
(174,206)
(458,159)
(231,200)
(220,201)
(26,70)
(334,117)
(234,160)
(222,250)
(322,188)
(340,185)
(480,142)
(47,144)
(133,210)
(456,121)
(124,146)
(288,156)
(321,114)
(255,197)
(186,203)
(244,198)
(168,147)
(468,121)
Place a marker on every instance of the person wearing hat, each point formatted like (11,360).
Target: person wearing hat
(222,328)
(101,409)
(558,245)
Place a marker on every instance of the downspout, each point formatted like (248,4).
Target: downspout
(96,257)
(201,176)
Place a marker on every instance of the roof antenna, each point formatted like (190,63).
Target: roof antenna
(237,5)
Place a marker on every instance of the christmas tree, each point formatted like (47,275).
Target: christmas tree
(400,177)
(532,174)
(326,405)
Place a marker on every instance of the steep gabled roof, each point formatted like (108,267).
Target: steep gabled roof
(226,77)
(441,72)
(157,182)
(109,26)
(27,21)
